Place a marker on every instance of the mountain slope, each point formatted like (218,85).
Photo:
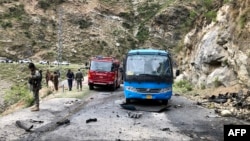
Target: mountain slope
(208,39)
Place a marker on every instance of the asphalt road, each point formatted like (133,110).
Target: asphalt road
(101,117)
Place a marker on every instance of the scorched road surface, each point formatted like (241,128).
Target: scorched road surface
(100,117)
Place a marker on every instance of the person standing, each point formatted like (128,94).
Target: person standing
(35,84)
(79,78)
(47,77)
(70,77)
(56,80)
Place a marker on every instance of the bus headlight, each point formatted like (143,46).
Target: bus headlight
(164,90)
(129,88)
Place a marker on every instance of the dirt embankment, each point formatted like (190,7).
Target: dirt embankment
(45,93)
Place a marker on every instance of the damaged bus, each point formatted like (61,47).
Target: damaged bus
(148,74)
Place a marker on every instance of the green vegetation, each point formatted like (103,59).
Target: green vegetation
(43,4)
(83,23)
(6,24)
(244,18)
(15,12)
(208,4)
(226,1)
(129,16)
(17,76)
(203,86)
(18,93)
(217,83)
(188,24)
(148,10)
(211,15)
(46,4)
(225,62)
(143,34)
(182,86)
(179,47)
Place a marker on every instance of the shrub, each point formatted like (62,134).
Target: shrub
(143,34)
(244,18)
(6,25)
(84,24)
(182,86)
(203,86)
(217,82)
(211,16)
(44,4)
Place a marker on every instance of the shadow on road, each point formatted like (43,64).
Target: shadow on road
(145,105)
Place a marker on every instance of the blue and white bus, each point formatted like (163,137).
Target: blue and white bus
(148,74)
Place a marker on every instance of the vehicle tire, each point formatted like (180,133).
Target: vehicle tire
(113,87)
(118,84)
(164,102)
(128,100)
(91,87)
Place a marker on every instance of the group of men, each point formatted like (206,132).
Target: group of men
(78,77)
(35,81)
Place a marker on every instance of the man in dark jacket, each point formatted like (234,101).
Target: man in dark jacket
(70,77)
(56,80)
(79,78)
(35,84)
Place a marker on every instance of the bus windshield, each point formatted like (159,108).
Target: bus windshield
(154,65)
(101,66)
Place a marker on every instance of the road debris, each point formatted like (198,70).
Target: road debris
(22,126)
(66,121)
(165,129)
(91,120)
(71,102)
(36,121)
(134,115)
(177,106)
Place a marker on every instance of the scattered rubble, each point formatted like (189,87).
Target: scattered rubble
(134,115)
(71,102)
(230,104)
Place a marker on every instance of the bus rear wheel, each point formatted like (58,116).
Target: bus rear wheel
(113,87)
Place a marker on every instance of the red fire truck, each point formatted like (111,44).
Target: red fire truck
(104,72)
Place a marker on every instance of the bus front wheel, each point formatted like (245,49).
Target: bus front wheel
(165,102)
(128,100)
(91,87)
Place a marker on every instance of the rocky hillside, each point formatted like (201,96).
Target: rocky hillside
(208,39)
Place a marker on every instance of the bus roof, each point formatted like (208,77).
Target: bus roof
(148,51)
